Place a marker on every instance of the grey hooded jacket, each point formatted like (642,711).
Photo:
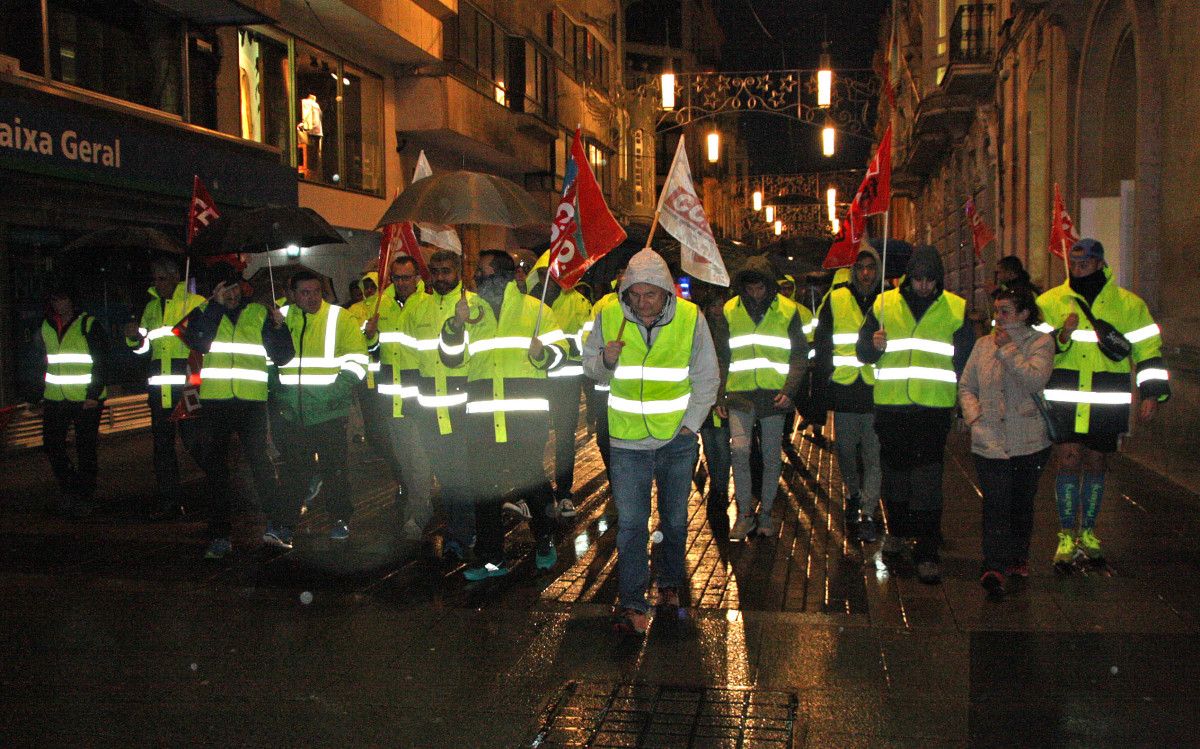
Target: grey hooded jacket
(648,267)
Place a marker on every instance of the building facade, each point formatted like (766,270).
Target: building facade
(1002,101)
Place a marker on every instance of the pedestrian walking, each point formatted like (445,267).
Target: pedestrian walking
(442,399)
(714,432)
(237,338)
(513,341)
(154,338)
(916,337)
(664,378)
(1000,391)
(1104,337)
(768,353)
(597,394)
(77,368)
(399,359)
(851,385)
(316,388)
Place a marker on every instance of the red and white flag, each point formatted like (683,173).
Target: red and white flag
(202,210)
(875,193)
(681,213)
(584,230)
(851,228)
(981,233)
(437,235)
(1062,228)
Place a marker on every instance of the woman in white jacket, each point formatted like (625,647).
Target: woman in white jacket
(1004,375)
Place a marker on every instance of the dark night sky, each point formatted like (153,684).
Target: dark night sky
(778,145)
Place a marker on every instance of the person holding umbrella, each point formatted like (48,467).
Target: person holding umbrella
(237,338)
(154,337)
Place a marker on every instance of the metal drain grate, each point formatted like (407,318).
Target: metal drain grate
(642,715)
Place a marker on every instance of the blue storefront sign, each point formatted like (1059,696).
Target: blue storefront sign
(56,136)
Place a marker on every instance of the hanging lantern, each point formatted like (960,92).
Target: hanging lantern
(825,80)
(778,227)
(714,147)
(831,202)
(668,90)
(756,200)
(828,138)
(770,217)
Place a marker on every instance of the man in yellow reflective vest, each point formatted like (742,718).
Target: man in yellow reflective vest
(316,387)
(442,402)
(573,311)
(597,392)
(238,339)
(170,302)
(1089,393)
(851,386)
(916,337)
(396,383)
(77,363)
(656,353)
(508,408)
(767,353)
(375,412)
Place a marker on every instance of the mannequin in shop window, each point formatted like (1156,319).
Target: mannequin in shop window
(310,135)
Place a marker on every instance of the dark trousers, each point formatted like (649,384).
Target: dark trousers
(1009,486)
(564,417)
(512,468)
(912,448)
(450,460)
(598,403)
(308,450)
(375,427)
(247,419)
(163,431)
(78,479)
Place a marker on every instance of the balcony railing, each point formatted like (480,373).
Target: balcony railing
(972,34)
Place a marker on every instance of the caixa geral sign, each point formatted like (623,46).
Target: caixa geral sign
(62,137)
(69,144)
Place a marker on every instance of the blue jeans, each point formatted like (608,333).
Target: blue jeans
(670,468)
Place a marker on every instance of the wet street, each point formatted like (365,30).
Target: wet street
(116,631)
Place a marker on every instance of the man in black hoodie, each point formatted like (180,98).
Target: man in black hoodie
(852,390)
(917,338)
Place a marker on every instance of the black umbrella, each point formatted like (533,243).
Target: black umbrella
(465,197)
(264,230)
(126,238)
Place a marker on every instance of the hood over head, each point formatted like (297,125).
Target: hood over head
(926,263)
(868,250)
(756,268)
(647,266)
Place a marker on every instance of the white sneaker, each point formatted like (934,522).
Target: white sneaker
(520,507)
(741,528)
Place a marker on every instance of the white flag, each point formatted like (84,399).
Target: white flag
(681,213)
(435,234)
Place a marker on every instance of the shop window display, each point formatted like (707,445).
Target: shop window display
(317,138)
(266,91)
(362,114)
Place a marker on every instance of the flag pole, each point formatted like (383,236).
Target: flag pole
(271,275)
(537,326)
(887,215)
(653,228)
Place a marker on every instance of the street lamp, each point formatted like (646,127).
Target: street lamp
(831,202)
(770,217)
(293,250)
(778,228)
(756,200)
(837,224)
(714,146)
(668,90)
(828,138)
(825,79)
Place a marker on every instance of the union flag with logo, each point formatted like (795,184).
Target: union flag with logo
(584,230)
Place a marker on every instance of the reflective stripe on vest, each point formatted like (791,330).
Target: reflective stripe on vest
(68,361)
(316,370)
(651,386)
(759,353)
(236,363)
(847,320)
(917,367)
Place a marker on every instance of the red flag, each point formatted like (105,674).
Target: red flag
(202,212)
(981,234)
(1062,228)
(584,230)
(875,193)
(844,250)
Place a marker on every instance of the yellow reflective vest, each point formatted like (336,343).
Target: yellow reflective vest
(235,366)
(331,358)
(1088,392)
(917,367)
(159,341)
(574,314)
(609,299)
(651,385)
(441,390)
(847,320)
(399,356)
(759,354)
(69,361)
(501,379)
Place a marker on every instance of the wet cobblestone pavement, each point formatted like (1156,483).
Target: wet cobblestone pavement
(116,632)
